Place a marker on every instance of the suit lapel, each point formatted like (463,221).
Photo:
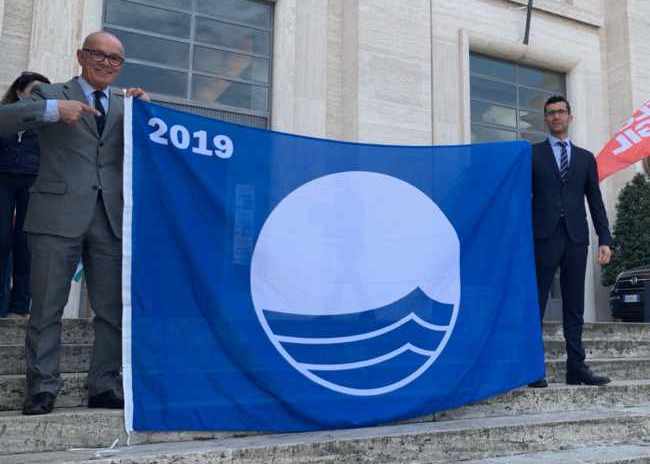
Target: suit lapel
(72,91)
(114,112)
(550,161)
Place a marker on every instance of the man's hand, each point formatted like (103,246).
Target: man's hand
(138,93)
(604,254)
(71,110)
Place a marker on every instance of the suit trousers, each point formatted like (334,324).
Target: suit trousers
(54,261)
(14,197)
(560,251)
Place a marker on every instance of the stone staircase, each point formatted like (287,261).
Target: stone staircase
(560,424)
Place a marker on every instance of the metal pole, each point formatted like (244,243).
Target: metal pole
(645,311)
(529,14)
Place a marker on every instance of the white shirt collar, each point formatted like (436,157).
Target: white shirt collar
(88,89)
(554,140)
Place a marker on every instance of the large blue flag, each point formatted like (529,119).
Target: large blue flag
(284,283)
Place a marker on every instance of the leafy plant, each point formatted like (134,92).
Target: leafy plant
(632,229)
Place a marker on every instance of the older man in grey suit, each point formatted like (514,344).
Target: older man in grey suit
(75,212)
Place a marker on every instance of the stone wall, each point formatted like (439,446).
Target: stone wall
(15,35)
(387,71)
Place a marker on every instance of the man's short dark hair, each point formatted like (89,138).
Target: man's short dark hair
(557,99)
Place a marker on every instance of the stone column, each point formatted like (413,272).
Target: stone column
(350,70)
(2,14)
(15,25)
(394,71)
(382,88)
(58,29)
(300,67)
(91,19)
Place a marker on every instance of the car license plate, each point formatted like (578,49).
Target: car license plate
(631,298)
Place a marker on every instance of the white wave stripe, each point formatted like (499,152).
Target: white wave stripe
(368,335)
(369,362)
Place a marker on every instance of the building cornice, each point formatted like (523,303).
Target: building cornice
(566,10)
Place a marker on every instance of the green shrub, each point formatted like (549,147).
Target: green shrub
(632,229)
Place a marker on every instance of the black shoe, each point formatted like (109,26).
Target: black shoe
(584,376)
(541,383)
(40,403)
(106,400)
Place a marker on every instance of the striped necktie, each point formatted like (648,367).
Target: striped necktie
(564,160)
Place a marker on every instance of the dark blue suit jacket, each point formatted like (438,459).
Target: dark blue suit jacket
(20,157)
(553,198)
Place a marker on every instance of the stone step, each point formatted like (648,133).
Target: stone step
(74,331)
(98,425)
(65,429)
(556,398)
(626,453)
(600,348)
(430,442)
(616,369)
(74,392)
(616,454)
(80,331)
(74,358)
(604,330)
(12,391)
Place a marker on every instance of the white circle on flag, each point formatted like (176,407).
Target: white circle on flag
(349,243)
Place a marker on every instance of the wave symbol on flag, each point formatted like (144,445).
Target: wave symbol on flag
(355,279)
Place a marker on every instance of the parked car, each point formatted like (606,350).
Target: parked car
(626,296)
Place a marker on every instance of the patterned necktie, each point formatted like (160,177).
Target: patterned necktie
(564,160)
(101,119)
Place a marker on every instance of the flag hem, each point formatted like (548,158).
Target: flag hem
(127,379)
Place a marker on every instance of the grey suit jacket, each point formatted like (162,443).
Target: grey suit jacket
(76,163)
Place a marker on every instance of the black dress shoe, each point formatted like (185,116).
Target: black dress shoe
(541,383)
(584,376)
(106,400)
(40,403)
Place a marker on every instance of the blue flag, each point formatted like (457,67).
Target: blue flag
(274,282)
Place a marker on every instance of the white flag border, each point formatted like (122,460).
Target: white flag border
(127,379)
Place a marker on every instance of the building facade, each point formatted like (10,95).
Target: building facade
(380,71)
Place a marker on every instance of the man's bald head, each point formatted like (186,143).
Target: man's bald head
(101,58)
(93,38)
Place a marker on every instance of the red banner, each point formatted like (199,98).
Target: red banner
(630,144)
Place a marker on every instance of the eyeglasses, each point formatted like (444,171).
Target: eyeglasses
(99,57)
(552,113)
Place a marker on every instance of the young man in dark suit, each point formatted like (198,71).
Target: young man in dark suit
(563,175)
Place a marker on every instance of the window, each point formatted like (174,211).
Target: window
(507,99)
(212,57)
